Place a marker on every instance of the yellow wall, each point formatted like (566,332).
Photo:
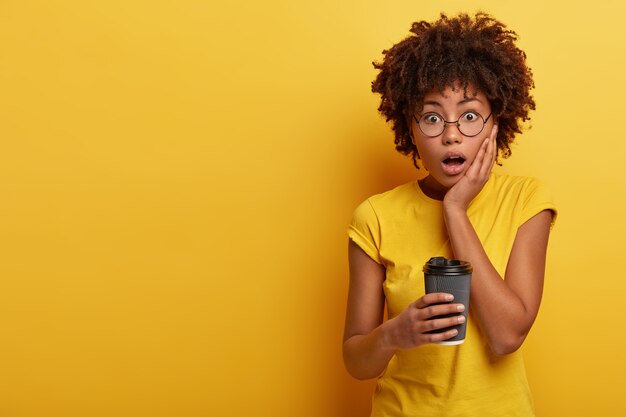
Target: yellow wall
(176,178)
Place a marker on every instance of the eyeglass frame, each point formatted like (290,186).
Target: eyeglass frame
(446,123)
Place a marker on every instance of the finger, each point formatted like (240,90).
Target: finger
(494,134)
(489,157)
(494,142)
(495,145)
(433,298)
(490,153)
(440,337)
(439,311)
(438,324)
(477,164)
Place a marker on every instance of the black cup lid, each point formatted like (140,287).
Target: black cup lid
(441,265)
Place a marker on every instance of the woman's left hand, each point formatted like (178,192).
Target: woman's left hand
(476,176)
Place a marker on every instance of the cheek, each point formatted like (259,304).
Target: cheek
(426,157)
(474,151)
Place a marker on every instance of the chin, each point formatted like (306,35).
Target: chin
(448,182)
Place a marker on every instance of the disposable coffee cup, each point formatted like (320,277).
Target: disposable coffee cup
(453,277)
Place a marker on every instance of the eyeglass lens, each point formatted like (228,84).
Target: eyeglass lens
(469,124)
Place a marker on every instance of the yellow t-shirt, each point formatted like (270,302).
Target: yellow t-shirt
(403,228)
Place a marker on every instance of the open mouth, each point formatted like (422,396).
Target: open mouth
(453,164)
(454,160)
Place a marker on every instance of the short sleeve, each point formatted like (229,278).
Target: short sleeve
(364,230)
(536,199)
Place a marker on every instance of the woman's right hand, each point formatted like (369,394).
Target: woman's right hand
(369,342)
(409,329)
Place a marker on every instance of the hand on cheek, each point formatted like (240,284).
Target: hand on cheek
(476,176)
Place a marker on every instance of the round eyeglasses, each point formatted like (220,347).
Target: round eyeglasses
(469,123)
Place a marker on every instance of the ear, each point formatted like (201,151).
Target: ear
(409,128)
(409,124)
(417,152)
(413,142)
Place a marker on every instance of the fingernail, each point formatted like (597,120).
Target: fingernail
(460,307)
(461,319)
(449,297)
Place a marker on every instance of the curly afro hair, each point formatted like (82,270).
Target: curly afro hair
(478,51)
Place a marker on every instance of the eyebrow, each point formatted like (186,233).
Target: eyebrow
(464,101)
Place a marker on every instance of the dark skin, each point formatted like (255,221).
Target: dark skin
(478,50)
(505,308)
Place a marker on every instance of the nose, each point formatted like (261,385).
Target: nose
(451,134)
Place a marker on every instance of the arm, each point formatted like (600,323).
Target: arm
(369,343)
(506,309)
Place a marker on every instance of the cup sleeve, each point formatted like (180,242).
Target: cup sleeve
(364,230)
(538,198)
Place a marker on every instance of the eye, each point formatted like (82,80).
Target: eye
(431,118)
(469,117)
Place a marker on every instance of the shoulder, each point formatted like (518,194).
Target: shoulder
(505,181)
(384,203)
(404,193)
(513,186)
(365,227)
(530,194)
(401,194)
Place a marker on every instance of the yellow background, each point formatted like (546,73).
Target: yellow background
(176,178)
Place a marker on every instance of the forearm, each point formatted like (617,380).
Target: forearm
(366,356)
(501,313)
(369,341)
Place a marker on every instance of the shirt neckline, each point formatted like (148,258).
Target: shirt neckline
(439,203)
(424,197)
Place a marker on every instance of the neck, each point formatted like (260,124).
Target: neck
(432,188)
